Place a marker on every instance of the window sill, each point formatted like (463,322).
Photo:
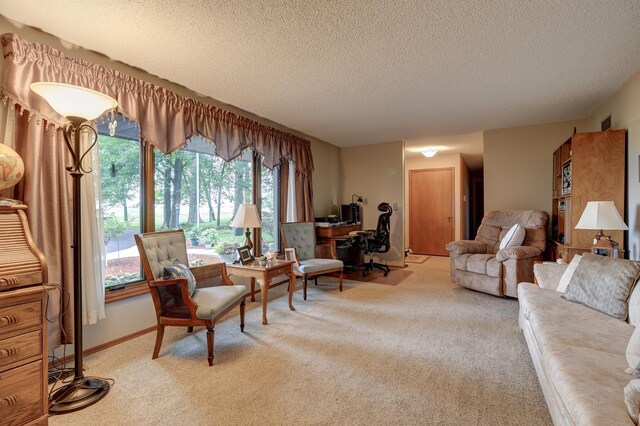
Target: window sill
(130,290)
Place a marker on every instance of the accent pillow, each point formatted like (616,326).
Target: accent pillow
(179,270)
(548,274)
(633,351)
(568,273)
(514,237)
(632,399)
(634,307)
(603,283)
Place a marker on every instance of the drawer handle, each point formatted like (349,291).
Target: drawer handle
(10,319)
(9,281)
(8,401)
(9,352)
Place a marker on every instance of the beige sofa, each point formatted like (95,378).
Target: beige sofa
(578,353)
(481,265)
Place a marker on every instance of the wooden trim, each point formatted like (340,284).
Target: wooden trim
(148,189)
(106,345)
(130,290)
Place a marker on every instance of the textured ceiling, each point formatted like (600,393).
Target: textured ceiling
(359,72)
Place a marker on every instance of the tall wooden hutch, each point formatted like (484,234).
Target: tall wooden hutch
(587,167)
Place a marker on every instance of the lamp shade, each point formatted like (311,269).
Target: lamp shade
(247,217)
(601,215)
(74,101)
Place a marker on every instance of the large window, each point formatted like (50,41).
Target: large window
(120,176)
(192,189)
(199,192)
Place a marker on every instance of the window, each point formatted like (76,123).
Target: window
(270,209)
(192,189)
(120,182)
(199,192)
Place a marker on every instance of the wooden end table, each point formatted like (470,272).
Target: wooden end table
(264,275)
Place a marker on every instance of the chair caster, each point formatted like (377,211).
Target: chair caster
(385,273)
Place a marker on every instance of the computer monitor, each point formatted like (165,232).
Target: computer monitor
(350,213)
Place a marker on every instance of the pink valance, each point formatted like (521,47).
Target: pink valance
(166,119)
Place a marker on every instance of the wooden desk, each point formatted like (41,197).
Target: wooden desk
(333,234)
(264,275)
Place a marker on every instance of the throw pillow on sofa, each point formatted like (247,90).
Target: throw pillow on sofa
(633,352)
(514,237)
(603,283)
(632,399)
(568,273)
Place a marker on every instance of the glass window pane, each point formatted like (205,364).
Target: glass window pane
(197,191)
(121,196)
(270,210)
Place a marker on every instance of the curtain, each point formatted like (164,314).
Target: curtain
(167,120)
(93,250)
(46,190)
(292,208)
(304,197)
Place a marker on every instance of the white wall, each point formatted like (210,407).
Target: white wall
(624,108)
(518,165)
(376,173)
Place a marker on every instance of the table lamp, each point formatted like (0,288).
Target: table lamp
(79,106)
(602,215)
(247,217)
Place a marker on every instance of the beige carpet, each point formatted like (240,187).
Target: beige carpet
(415,258)
(423,352)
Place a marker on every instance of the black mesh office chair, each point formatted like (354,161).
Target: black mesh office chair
(376,241)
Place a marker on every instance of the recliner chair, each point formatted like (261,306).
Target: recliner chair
(481,265)
(376,241)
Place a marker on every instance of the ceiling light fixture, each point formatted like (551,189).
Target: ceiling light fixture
(429,151)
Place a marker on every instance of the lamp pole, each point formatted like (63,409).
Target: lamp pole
(82,391)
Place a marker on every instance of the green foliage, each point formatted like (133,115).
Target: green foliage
(121,278)
(226,248)
(195,233)
(112,228)
(210,235)
(120,171)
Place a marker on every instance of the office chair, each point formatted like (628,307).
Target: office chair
(376,241)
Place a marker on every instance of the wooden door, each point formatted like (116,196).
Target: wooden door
(431,210)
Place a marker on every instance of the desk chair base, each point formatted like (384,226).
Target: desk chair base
(370,266)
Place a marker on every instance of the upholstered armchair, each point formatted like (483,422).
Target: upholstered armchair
(311,259)
(481,265)
(179,301)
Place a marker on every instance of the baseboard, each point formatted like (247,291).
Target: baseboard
(106,345)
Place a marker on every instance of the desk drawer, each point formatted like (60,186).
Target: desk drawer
(20,347)
(21,394)
(19,317)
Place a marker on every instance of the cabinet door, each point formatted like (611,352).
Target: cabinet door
(598,174)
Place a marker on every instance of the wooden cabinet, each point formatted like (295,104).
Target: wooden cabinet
(23,331)
(587,167)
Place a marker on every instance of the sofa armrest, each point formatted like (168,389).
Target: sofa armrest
(517,252)
(466,246)
(548,274)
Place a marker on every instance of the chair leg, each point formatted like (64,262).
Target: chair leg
(210,336)
(242,305)
(159,336)
(190,329)
(315,280)
(340,276)
(304,287)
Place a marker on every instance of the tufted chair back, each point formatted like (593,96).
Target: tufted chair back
(495,225)
(302,237)
(162,249)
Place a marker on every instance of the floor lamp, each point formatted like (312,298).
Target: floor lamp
(78,105)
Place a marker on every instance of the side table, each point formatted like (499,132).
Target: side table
(263,275)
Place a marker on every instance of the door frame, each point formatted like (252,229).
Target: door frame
(453,200)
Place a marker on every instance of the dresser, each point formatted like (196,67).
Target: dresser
(23,330)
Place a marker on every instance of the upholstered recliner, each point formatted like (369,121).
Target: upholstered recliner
(481,265)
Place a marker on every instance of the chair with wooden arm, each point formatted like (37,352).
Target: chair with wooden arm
(175,304)
(311,259)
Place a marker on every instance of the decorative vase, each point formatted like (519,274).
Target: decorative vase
(11,167)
